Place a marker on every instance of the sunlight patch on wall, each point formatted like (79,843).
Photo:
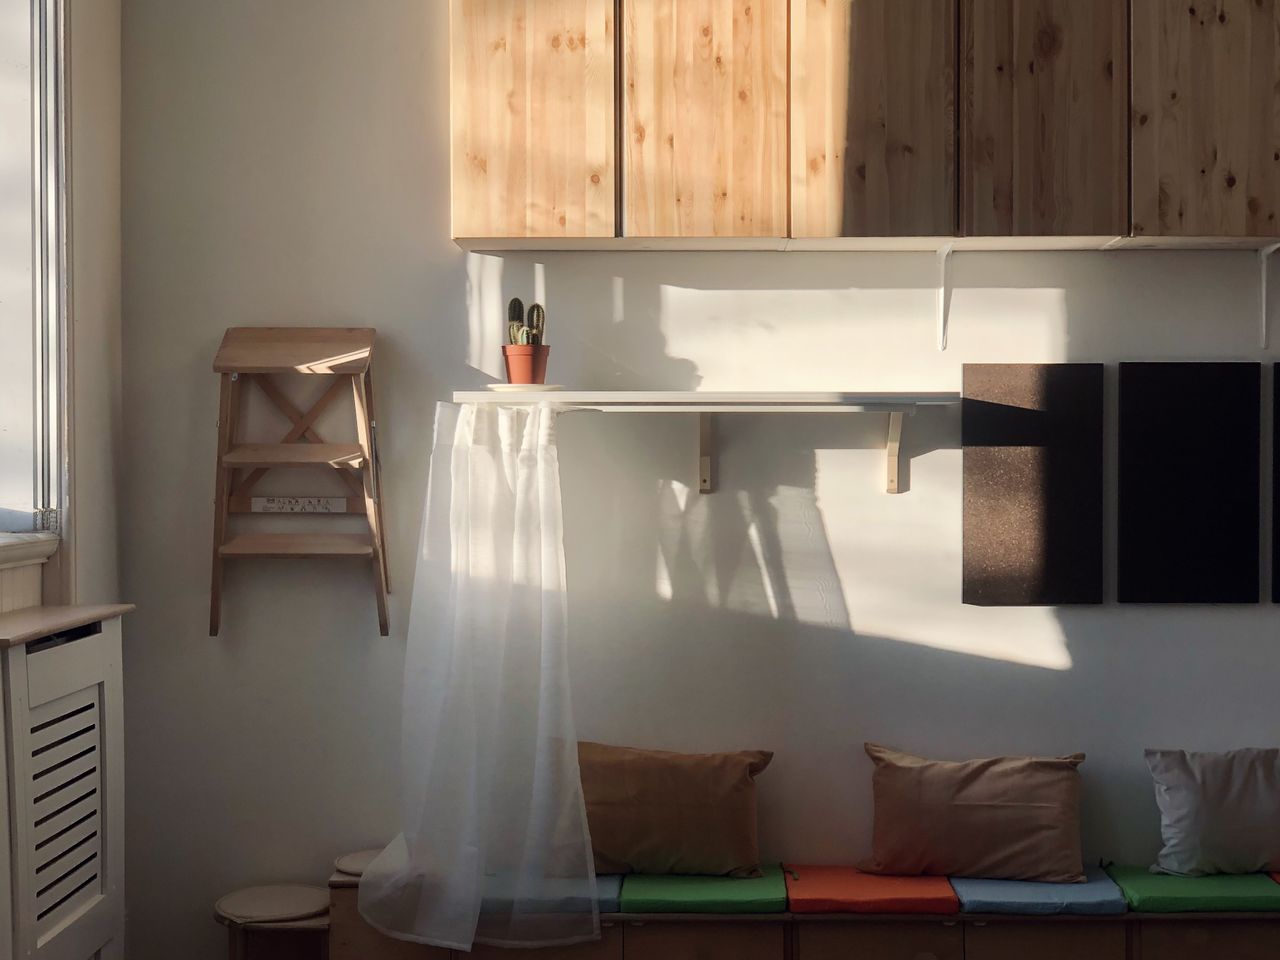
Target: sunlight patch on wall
(856,338)
(486,314)
(898,591)
(1009,324)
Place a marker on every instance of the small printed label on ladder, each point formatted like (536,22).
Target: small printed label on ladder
(299,504)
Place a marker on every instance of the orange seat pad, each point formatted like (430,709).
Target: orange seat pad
(847,890)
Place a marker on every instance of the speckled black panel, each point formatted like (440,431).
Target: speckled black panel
(1275,486)
(1032,438)
(1190,437)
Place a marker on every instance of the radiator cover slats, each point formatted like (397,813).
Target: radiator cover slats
(63,718)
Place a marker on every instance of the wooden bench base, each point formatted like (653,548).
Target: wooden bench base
(1207,940)
(888,940)
(1024,939)
(794,937)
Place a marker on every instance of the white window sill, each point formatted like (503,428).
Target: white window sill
(24,549)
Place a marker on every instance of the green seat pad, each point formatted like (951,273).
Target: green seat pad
(1223,893)
(767,894)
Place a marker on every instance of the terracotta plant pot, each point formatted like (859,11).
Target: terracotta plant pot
(526,363)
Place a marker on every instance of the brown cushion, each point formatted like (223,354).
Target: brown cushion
(1010,818)
(656,812)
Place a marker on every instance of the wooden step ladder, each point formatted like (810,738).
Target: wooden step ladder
(255,355)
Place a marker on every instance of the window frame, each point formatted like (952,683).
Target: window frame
(51,290)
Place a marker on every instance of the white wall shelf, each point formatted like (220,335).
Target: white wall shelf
(708,405)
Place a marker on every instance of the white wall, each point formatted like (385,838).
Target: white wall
(287,163)
(94,32)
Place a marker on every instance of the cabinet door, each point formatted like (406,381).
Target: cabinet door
(532,104)
(709,940)
(873,118)
(1219,939)
(1044,94)
(1056,940)
(1206,128)
(705,127)
(882,941)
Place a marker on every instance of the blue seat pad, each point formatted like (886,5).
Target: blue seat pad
(1098,896)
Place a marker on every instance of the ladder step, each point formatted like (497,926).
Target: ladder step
(280,546)
(315,350)
(267,455)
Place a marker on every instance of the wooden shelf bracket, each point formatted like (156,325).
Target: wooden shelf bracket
(893,453)
(706,452)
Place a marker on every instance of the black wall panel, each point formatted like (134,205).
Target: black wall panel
(1275,485)
(1032,438)
(1190,436)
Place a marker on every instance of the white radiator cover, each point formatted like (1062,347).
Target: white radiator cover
(64,753)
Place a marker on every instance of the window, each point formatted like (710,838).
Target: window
(34,349)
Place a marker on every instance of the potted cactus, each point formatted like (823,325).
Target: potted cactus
(525,352)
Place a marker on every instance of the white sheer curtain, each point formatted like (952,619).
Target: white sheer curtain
(494,845)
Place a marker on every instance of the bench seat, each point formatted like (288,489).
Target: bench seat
(1148,892)
(728,895)
(816,889)
(609,890)
(1098,896)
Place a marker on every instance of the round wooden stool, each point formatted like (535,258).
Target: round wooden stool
(355,864)
(277,909)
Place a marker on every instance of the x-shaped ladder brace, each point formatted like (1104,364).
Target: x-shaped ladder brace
(302,431)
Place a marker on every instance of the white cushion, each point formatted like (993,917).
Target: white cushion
(272,904)
(1217,811)
(355,864)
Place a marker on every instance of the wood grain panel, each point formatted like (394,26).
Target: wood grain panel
(1188,524)
(532,104)
(705,941)
(1068,940)
(705,126)
(1044,102)
(873,118)
(1032,476)
(883,941)
(1206,118)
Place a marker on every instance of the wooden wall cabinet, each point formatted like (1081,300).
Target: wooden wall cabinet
(735,120)
(873,118)
(532,112)
(1206,123)
(1044,102)
(705,118)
